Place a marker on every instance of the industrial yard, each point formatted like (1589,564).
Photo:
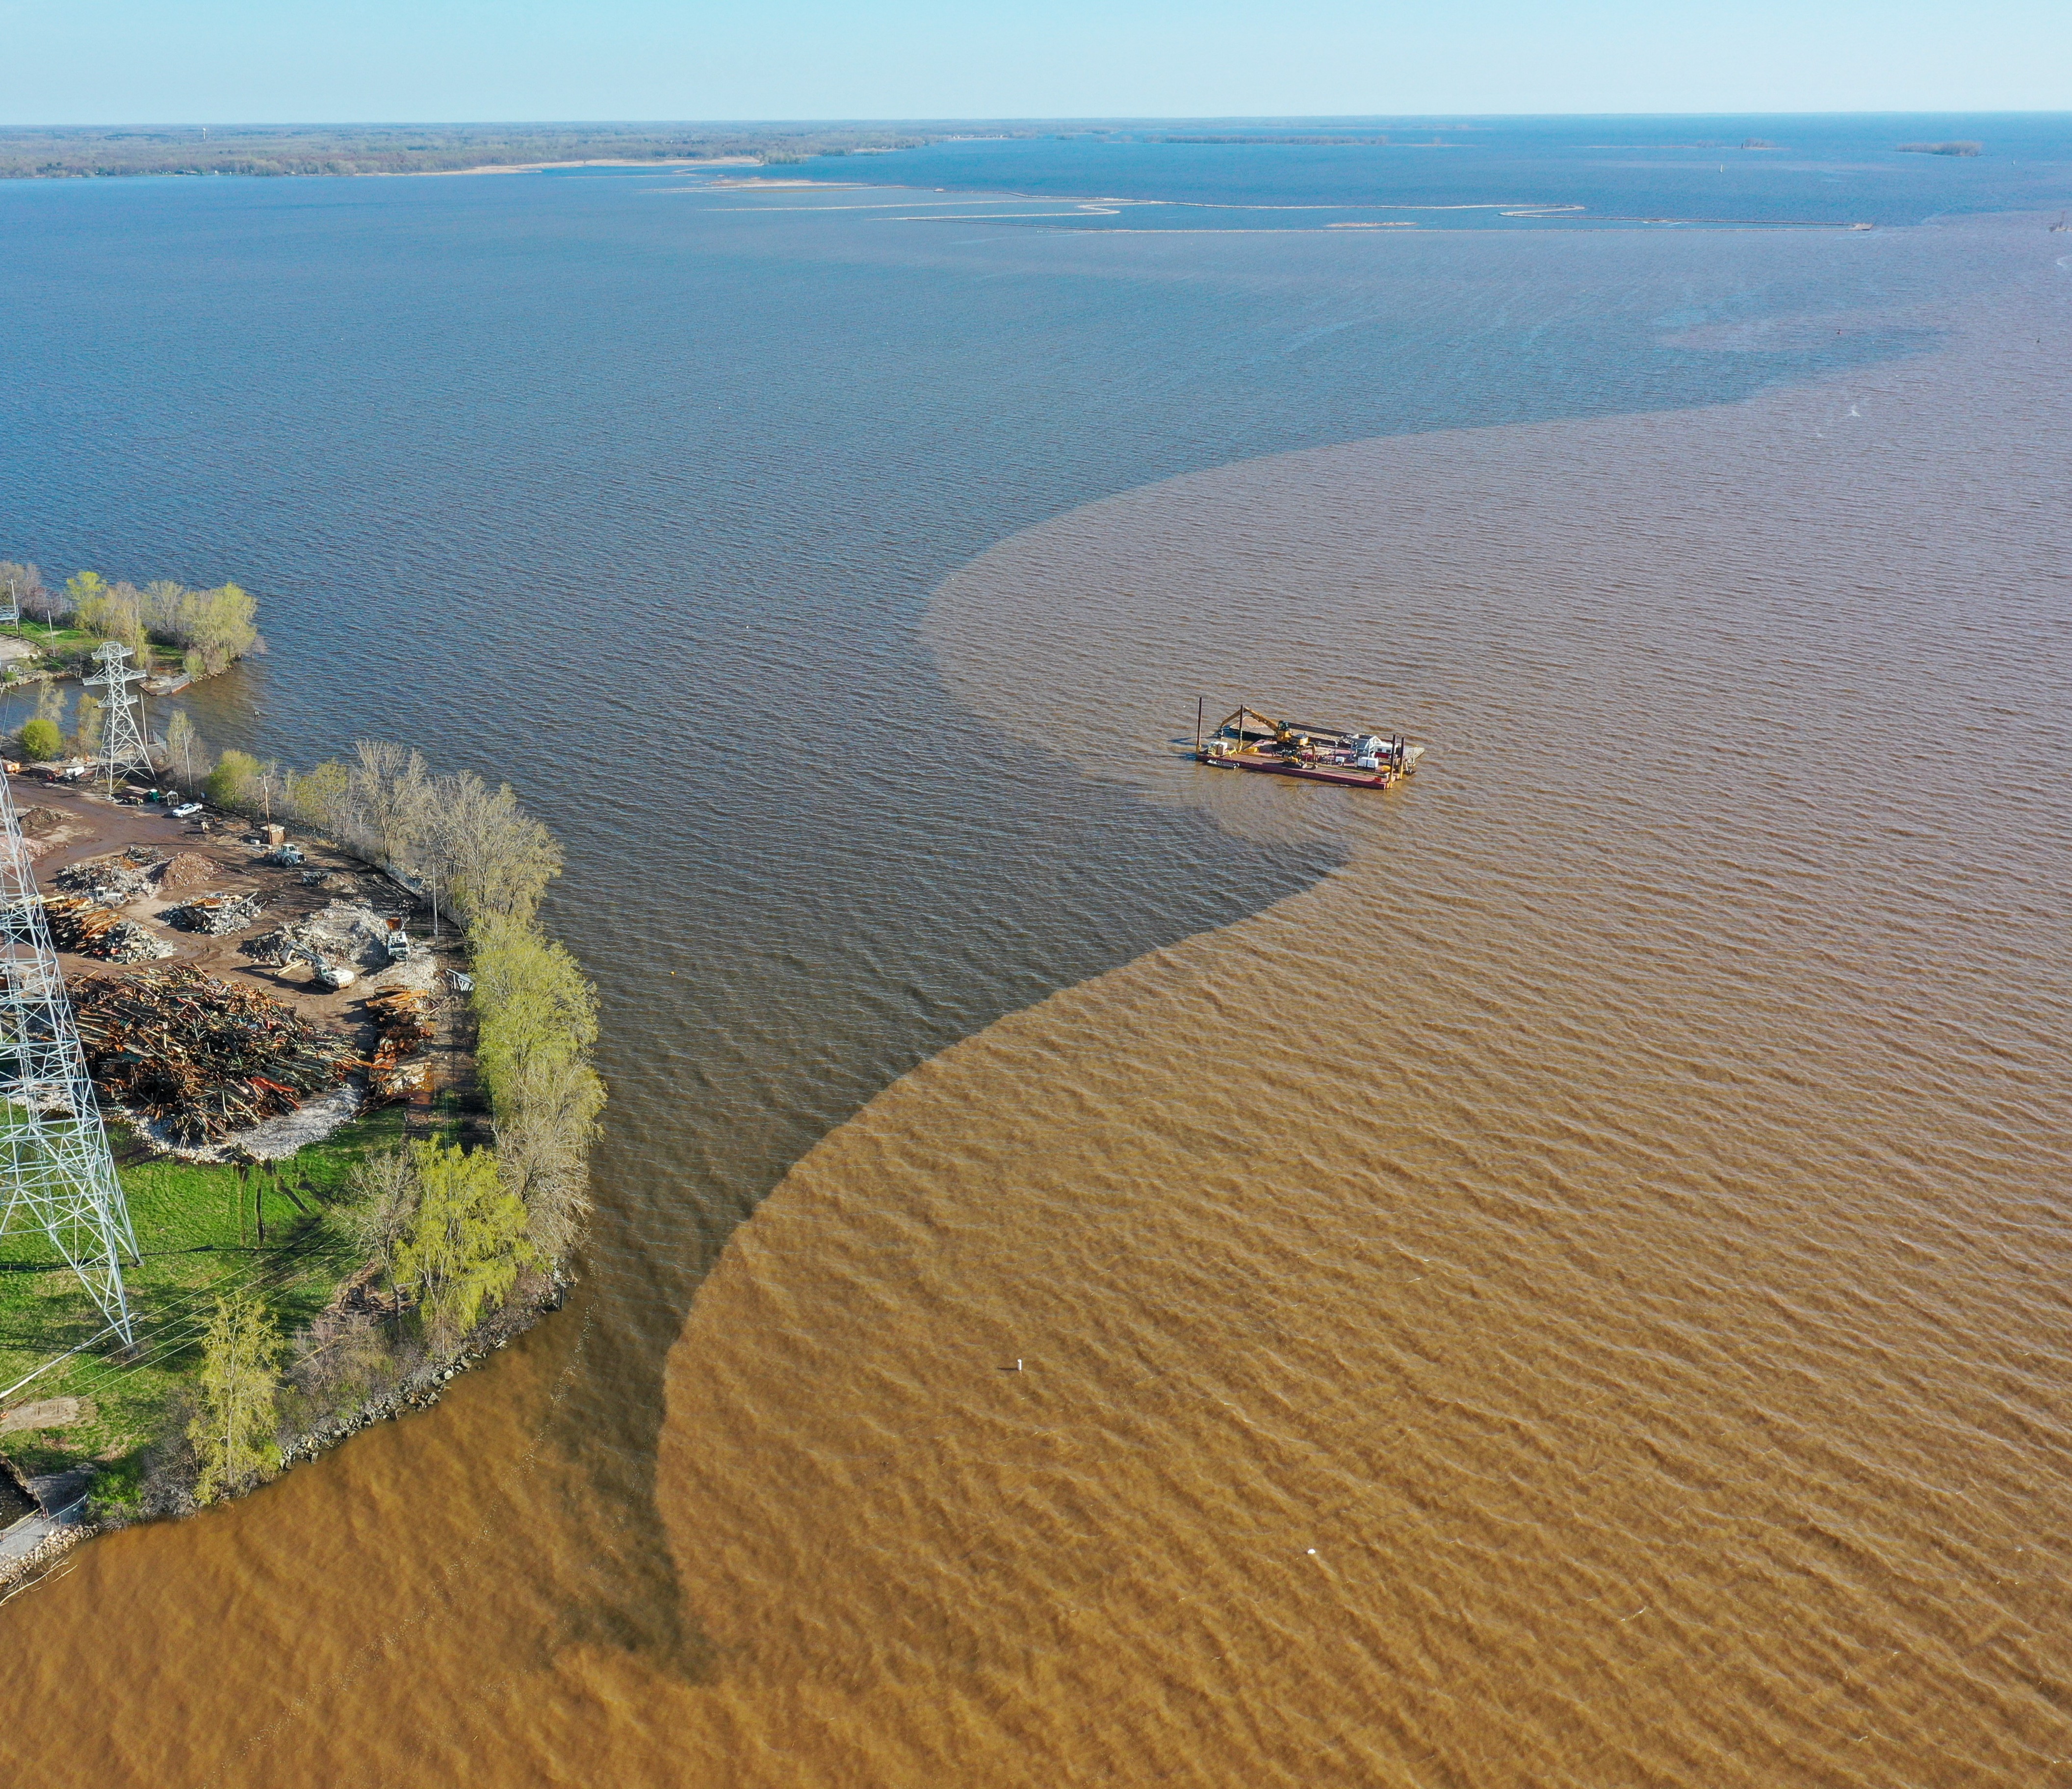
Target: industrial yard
(147,870)
(257,1021)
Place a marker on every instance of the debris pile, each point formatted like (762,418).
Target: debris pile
(214,914)
(113,881)
(202,1058)
(186,870)
(338,933)
(403,1022)
(90,929)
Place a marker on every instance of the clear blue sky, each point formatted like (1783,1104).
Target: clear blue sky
(280,61)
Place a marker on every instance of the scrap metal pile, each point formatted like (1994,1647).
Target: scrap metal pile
(402,1020)
(201,1057)
(87,927)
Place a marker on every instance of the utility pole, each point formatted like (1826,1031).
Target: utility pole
(56,1172)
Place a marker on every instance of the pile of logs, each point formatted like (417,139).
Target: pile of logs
(402,1022)
(89,929)
(201,1057)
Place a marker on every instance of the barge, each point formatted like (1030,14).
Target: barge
(1248,740)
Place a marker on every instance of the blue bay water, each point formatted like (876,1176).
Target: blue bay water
(1467,172)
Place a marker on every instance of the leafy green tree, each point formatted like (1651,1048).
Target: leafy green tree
(466,1244)
(82,588)
(233,1428)
(321,797)
(116,612)
(214,627)
(234,780)
(41,739)
(88,720)
(536,1021)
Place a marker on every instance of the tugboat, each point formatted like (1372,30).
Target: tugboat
(1248,740)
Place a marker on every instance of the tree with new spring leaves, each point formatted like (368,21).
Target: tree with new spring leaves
(211,628)
(233,1429)
(466,1242)
(537,1019)
(234,782)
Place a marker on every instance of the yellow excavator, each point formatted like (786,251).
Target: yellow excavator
(1284,737)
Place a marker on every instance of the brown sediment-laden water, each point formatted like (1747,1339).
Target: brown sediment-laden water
(1578,1295)
(1574,1294)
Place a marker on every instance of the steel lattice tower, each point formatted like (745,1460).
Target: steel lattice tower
(122,747)
(55,1169)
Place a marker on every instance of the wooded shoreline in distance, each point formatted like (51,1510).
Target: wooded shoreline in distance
(86,151)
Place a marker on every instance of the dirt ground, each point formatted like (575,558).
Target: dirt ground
(94,826)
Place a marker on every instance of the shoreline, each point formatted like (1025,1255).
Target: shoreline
(542,167)
(415,1093)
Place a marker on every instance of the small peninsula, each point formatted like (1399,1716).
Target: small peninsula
(345,1075)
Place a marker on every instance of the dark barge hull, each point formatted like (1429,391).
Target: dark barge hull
(1308,773)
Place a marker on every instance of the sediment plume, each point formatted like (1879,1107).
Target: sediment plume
(1573,1297)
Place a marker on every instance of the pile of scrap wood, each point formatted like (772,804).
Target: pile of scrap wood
(214,914)
(204,1057)
(90,929)
(112,880)
(403,1022)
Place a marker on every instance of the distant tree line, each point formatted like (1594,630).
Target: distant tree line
(268,149)
(211,628)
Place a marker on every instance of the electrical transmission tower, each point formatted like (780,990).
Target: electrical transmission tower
(122,747)
(55,1170)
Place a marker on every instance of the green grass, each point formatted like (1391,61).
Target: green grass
(64,643)
(198,1237)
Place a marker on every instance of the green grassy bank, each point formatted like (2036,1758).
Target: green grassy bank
(198,1231)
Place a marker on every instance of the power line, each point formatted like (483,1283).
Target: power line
(122,747)
(55,1169)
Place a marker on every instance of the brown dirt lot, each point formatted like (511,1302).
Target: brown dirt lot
(95,826)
